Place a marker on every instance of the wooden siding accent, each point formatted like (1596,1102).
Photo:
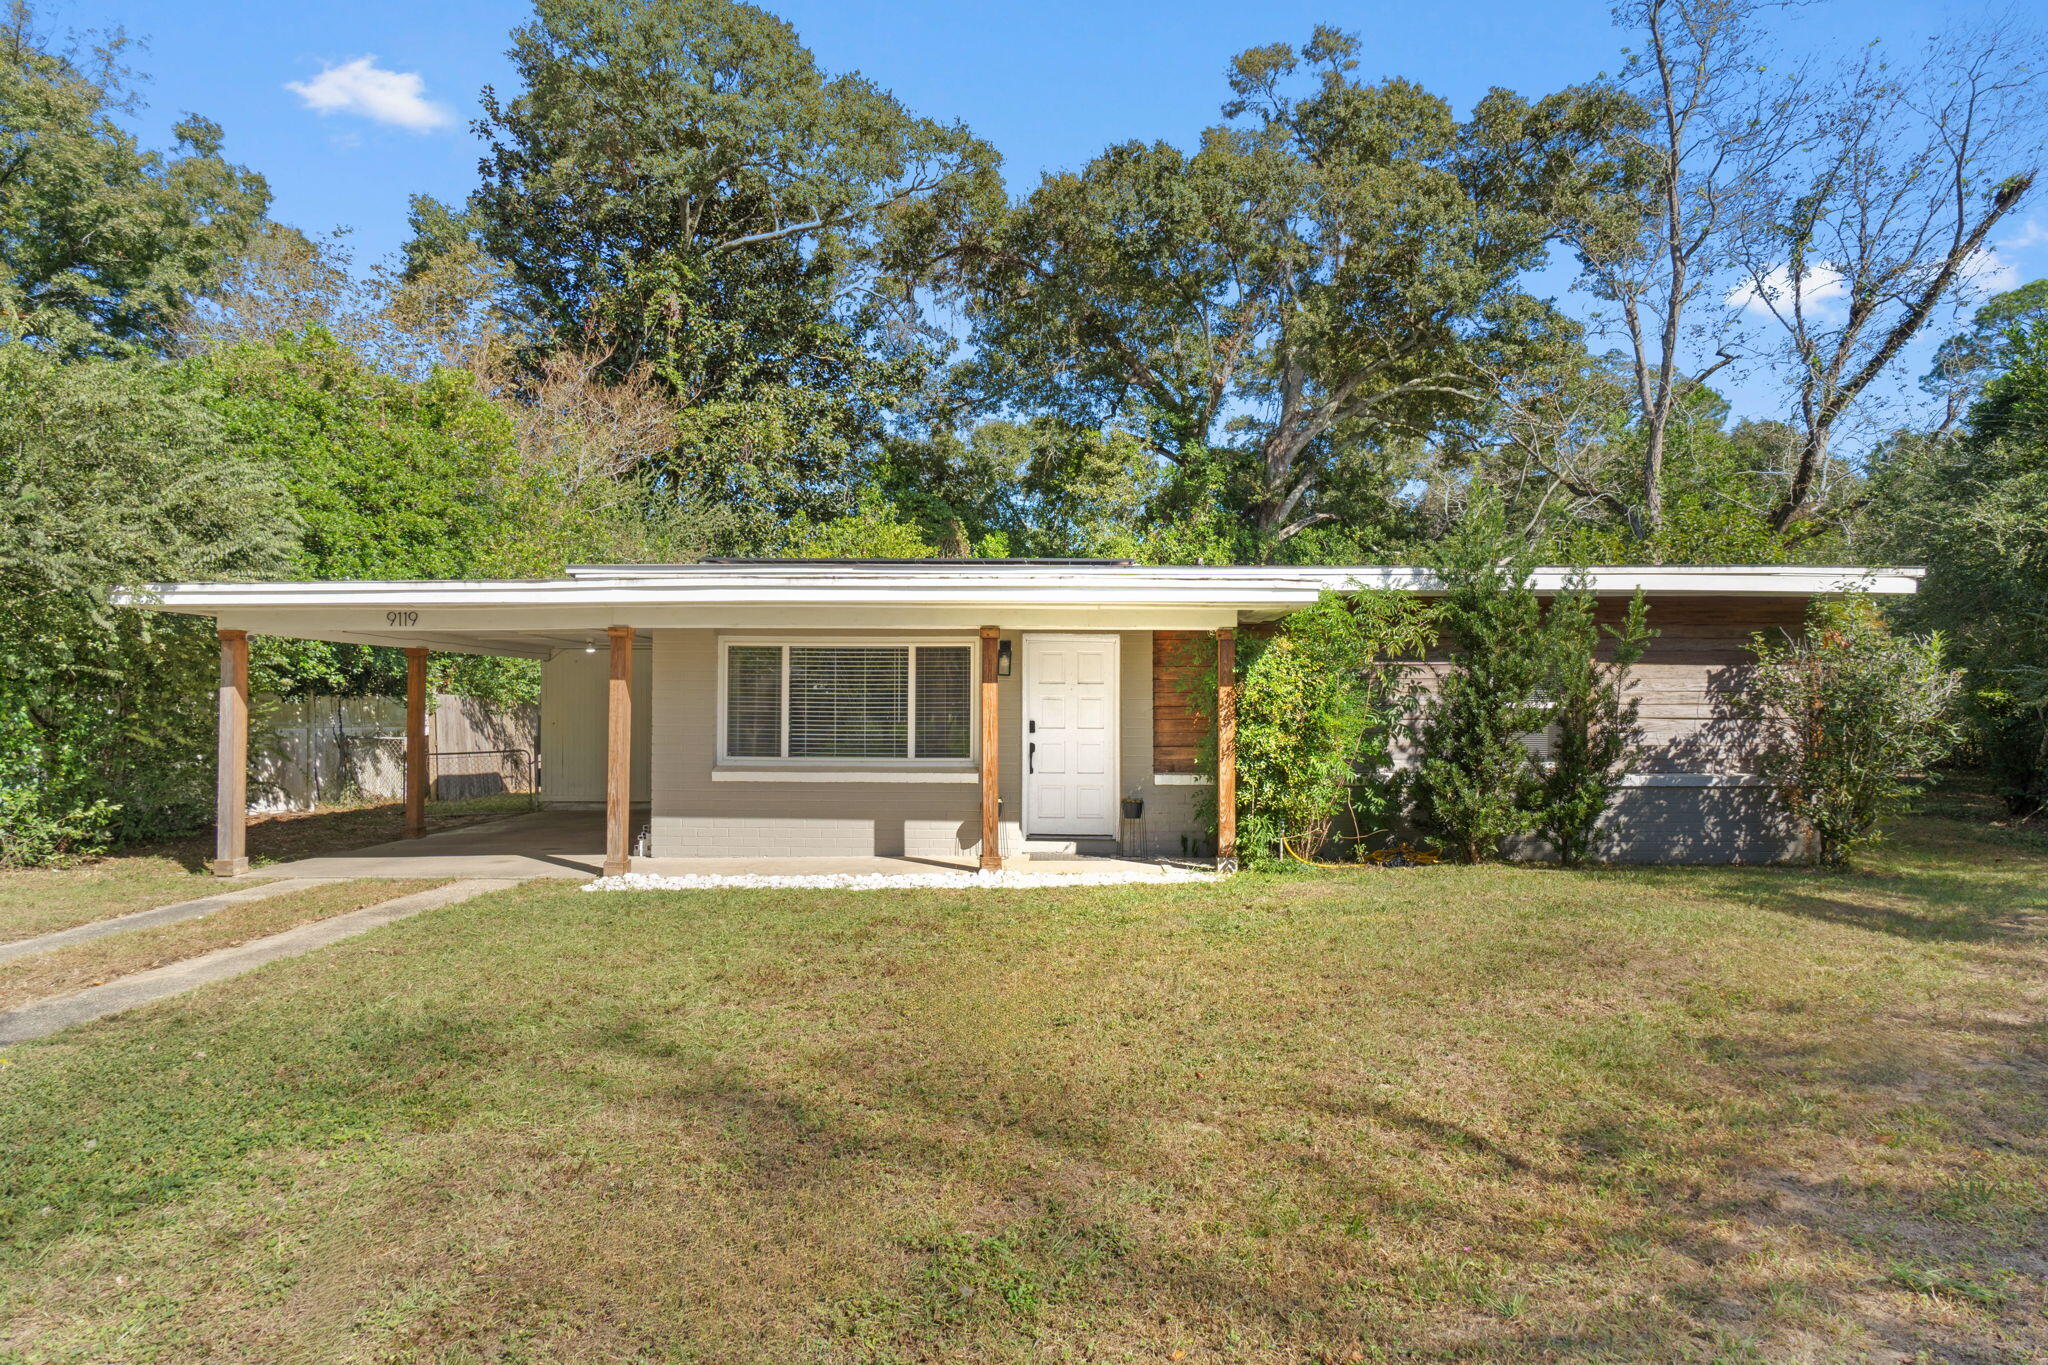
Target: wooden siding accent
(1689,676)
(1178,658)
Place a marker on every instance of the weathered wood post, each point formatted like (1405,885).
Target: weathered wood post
(415,743)
(231,777)
(618,768)
(991,789)
(1226,749)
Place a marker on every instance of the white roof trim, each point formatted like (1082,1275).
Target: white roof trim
(1246,588)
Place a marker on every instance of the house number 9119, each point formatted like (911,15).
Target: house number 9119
(401,618)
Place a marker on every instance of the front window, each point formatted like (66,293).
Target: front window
(849,702)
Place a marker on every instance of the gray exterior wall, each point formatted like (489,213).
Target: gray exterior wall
(1693,797)
(575,701)
(1693,801)
(695,815)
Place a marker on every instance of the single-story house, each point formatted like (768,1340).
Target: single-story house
(960,708)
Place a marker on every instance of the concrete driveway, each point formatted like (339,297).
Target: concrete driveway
(544,843)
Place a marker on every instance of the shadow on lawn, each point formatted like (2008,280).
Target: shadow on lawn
(2003,897)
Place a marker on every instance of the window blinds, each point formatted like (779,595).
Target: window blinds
(753,701)
(849,702)
(944,696)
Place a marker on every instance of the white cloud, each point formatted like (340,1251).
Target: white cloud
(362,87)
(1817,291)
(1989,271)
(2032,233)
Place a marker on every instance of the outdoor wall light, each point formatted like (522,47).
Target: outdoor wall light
(590,646)
(1002,658)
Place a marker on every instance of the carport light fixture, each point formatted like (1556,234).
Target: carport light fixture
(1002,658)
(589,646)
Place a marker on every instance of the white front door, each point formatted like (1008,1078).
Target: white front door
(1070,753)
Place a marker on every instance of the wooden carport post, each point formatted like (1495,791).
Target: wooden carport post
(1226,749)
(231,777)
(618,768)
(415,743)
(991,788)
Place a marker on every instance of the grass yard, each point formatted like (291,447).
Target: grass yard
(1440,1114)
(40,900)
(60,971)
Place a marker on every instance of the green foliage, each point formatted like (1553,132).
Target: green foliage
(1974,510)
(677,184)
(1474,784)
(1995,342)
(1282,311)
(1594,728)
(1318,706)
(873,530)
(102,242)
(1036,488)
(390,478)
(107,480)
(39,824)
(1850,717)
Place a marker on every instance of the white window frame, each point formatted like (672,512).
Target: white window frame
(823,765)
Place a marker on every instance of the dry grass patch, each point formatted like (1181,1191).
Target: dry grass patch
(1441,1114)
(62,970)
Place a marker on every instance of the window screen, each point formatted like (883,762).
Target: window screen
(849,701)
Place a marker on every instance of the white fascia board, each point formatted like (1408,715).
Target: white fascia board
(1250,589)
(542,630)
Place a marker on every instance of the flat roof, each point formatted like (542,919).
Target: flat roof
(982,582)
(541,617)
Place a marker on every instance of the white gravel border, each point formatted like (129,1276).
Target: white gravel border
(1004,880)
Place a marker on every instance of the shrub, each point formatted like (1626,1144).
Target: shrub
(1475,783)
(1318,704)
(106,716)
(1593,717)
(1852,716)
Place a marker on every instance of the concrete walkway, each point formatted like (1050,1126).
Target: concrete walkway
(45,1017)
(149,919)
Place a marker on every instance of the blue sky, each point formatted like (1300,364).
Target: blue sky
(1048,83)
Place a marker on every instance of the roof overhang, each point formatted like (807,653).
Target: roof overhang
(540,617)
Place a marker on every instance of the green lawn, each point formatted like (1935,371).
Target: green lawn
(1437,1114)
(59,971)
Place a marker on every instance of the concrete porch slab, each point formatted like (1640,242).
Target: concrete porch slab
(570,843)
(545,843)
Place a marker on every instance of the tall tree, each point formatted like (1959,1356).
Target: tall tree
(1660,247)
(677,184)
(103,243)
(1974,509)
(1799,223)
(1880,221)
(1326,274)
(107,480)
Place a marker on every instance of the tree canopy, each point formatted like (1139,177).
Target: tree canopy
(677,184)
(104,243)
(1323,279)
